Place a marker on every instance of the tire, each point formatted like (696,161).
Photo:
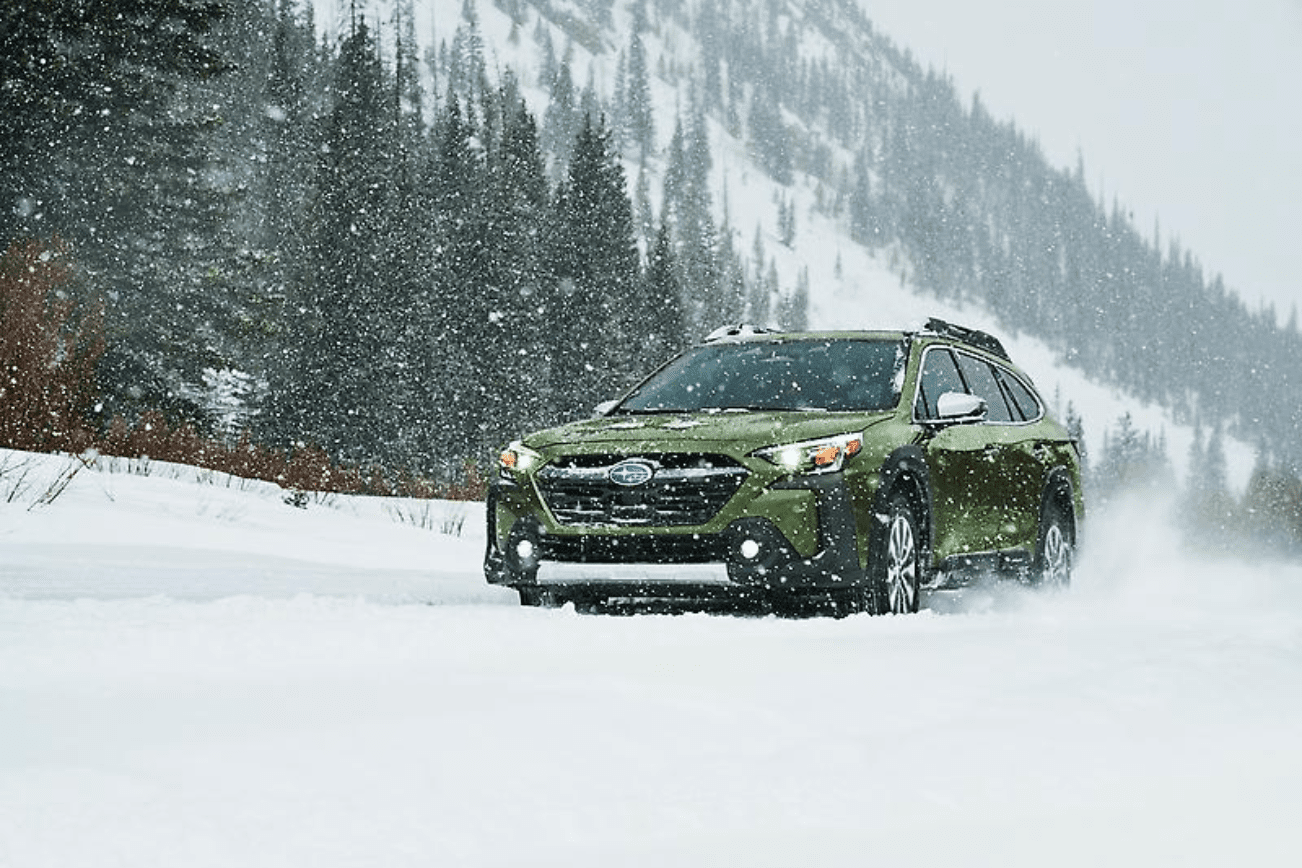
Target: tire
(897,570)
(535,596)
(1055,548)
(828,604)
(851,601)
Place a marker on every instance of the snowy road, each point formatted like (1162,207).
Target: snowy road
(329,688)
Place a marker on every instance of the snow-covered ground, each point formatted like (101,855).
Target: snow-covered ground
(193,673)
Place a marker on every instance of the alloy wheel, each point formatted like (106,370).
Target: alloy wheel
(1056,557)
(901,564)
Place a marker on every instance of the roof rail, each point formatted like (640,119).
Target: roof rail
(740,330)
(974,337)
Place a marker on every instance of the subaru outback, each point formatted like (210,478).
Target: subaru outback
(853,469)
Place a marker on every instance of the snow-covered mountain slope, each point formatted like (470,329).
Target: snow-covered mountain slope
(193,672)
(850,286)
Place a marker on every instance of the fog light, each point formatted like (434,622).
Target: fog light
(524,549)
(750,549)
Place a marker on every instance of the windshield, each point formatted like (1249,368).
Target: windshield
(832,375)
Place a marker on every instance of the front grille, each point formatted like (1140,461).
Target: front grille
(685,490)
(589,548)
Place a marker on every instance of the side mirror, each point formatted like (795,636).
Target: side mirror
(961,407)
(604,408)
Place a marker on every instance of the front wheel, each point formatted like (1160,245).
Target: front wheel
(536,596)
(897,569)
(1055,548)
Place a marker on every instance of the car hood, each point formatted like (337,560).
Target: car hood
(747,430)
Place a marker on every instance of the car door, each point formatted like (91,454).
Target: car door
(1014,474)
(962,469)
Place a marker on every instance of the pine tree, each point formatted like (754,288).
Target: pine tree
(335,401)
(786,222)
(666,333)
(674,183)
(733,292)
(760,294)
(409,243)
(1272,505)
(710,31)
(511,374)
(644,220)
(1076,430)
(793,310)
(865,222)
(770,140)
(639,110)
(458,305)
(619,104)
(468,75)
(688,210)
(595,263)
(1133,460)
(285,96)
(561,120)
(241,196)
(1210,505)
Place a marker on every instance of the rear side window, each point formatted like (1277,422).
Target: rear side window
(939,375)
(1021,397)
(981,380)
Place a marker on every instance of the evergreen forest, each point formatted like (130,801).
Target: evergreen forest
(222,219)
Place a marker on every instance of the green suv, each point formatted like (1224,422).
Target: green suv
(855,469)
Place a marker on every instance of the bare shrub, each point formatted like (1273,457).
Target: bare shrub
(437,515)
(48,350)
(14,473)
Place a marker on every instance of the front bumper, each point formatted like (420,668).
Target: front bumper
(750,553)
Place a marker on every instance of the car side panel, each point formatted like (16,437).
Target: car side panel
(965,470)
(1015,487)
(903,469)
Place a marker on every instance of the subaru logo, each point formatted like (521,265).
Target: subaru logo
(631,473)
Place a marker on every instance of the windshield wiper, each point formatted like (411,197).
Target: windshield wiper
(651,411)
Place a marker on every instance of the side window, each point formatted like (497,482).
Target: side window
(1022,397)
(939,375)
(981,378)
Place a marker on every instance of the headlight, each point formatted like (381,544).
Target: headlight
(517,458)
(827,455)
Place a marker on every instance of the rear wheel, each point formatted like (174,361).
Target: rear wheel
(1055,548)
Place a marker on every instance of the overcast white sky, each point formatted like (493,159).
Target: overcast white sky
(1186,111)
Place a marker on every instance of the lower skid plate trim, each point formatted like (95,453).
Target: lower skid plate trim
(559,572)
